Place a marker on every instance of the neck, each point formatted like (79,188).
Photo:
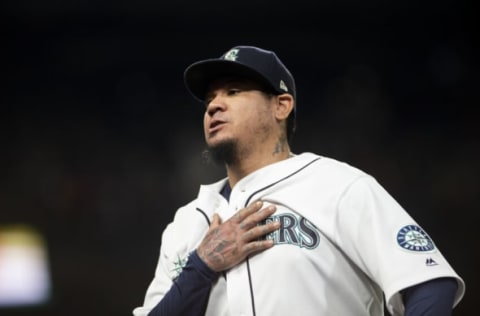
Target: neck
(251,162)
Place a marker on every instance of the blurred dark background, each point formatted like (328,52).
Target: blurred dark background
(101,143)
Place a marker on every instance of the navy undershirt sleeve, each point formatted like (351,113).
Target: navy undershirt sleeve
(431,298)
(189,292)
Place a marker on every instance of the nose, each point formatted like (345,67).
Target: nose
(214,105)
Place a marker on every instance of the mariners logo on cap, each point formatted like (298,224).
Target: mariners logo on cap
(412,237)
(231,55)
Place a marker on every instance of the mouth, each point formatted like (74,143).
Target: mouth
(215,126)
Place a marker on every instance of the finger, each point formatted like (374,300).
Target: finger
(245,212)
(257,246)
(216,221)
(253,219)
(260,231)
(264,213)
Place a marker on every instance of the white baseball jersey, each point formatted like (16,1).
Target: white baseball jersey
(344,241)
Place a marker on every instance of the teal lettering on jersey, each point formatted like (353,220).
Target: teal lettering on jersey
(294,230)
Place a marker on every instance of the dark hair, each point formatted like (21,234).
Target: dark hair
(291,123)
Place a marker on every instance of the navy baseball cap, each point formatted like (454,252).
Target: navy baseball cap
(250,62)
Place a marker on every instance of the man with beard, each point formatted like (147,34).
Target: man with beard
(284,233)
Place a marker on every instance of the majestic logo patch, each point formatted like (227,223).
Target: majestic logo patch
(430,262)
(231,55)
(412,237)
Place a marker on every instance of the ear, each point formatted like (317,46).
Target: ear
(284,106)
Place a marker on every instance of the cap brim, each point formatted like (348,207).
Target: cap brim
(200,75)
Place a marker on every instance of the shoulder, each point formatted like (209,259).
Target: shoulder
(324,161)
(203,205)
(330,170)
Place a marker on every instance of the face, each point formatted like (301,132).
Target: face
(238,117)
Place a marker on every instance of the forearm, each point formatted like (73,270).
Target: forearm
(432,298)
(189,292)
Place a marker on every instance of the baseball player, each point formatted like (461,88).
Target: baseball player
(284,233)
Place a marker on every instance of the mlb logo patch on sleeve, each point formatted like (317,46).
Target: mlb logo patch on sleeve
(413,238)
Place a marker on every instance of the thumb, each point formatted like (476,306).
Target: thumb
(216,221)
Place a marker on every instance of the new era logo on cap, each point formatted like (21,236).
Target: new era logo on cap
(246,61)
(231,55)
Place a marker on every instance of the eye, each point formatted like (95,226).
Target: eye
(234,91)
(207,101)
(208,98)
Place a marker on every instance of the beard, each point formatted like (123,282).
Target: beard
(225,152)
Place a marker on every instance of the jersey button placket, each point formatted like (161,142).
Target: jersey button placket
(241,197)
